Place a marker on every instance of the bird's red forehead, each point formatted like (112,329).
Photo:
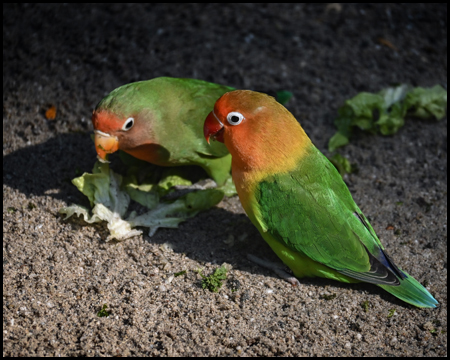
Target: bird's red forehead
(236,101)
(223,106)
(106,121)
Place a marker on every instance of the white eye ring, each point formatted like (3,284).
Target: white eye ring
(128,124)
(235,118)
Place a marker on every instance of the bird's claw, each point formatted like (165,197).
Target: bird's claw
(276,268)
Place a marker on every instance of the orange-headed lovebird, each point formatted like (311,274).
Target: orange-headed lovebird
(298,200)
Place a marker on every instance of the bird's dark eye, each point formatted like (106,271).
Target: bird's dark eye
(235,118)
(128,124)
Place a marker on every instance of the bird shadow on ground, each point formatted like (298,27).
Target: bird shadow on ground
(214,236)
(220,236)
(49,167)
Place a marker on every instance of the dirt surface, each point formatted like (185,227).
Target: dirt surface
(58,274)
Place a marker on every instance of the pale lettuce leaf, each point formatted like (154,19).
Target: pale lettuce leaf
(110,200)
(185,207)
(144,193)
(426,103)
(228,188)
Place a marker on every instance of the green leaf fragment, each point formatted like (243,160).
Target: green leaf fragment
(203,199)
(170,215)
(214,282)
(228,188)
(283,96)
(103,312)
(337,140)
(362,108)
(390,123)
(427,102)
(365,305)
(102,187)
(172,177)
(341,163)
(144,194)
(391,313)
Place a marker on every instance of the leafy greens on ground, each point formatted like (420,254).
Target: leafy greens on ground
(109,194)
(385,111)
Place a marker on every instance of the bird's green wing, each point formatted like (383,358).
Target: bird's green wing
(311,211)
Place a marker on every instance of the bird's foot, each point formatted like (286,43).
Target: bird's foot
(276,268)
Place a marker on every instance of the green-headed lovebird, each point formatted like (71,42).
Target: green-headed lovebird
(161,121)
(298,200)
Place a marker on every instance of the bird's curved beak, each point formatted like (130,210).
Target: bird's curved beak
(105,144)
(213,127)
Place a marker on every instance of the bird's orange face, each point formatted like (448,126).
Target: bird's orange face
(105,127)
(231,118)
(241,119)
(131,133)
(258,131)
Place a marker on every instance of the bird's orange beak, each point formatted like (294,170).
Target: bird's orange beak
(213,127)
(105,144)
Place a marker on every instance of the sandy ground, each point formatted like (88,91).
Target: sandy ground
(58,274)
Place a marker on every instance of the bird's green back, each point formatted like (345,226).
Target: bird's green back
(311,211)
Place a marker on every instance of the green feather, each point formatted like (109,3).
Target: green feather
(412,292)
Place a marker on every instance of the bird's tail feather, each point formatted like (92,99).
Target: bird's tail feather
(412,292)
